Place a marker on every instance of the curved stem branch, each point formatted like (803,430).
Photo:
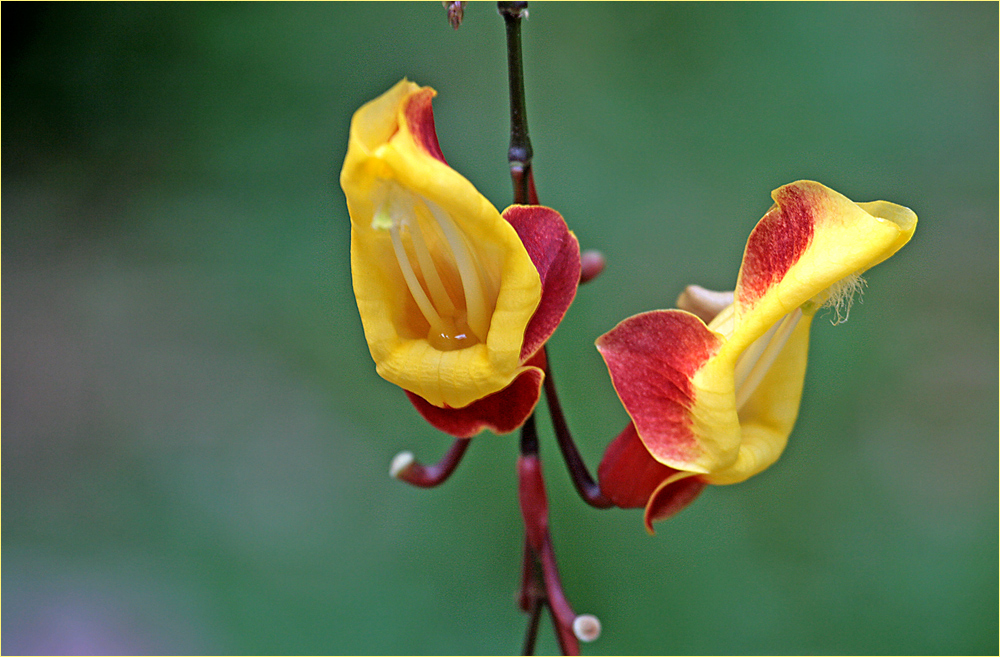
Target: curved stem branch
(406,468)
(562,613)
(585,485)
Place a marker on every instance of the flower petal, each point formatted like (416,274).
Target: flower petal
(678,377)
(653,359)
(555,251)
(768,416)
(500,412)
(631,478)
(812,238)
(805,245)
(420,121)
(377,121)
(628,474)
(393,158)
(672,496)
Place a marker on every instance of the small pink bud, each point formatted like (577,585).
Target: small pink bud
(591,265)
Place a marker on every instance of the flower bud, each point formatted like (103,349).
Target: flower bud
(586,627)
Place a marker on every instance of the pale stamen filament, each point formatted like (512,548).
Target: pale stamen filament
(438,293)
(723,322)
(412,282)
(751,355)
(478,315)
(755,362)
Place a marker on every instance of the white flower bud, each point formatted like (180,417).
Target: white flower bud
(401,462)
(586,627)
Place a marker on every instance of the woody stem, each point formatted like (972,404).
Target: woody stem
(519,154)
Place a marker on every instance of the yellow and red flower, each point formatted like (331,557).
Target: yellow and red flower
(713,393)
(456,299)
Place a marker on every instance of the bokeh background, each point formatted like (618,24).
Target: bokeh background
(195,442)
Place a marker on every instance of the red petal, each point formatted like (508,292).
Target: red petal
(420,121)
(555,253)
(778,241)
(628,473)
(651,358)
(501,412)
(671,499)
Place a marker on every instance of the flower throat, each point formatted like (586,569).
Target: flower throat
(443,275)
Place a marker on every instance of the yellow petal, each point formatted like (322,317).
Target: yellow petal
(766,419)
(811,239)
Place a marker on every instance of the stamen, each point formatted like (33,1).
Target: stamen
(416,291)
(751,355)
(758,358)
(475,299)
(725,321)
(442,301)
(435,277)
(383,218)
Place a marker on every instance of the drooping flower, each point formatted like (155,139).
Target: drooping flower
(713,390)
(456,299)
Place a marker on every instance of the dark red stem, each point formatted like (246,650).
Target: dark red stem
(585,485)
(428,476)
(540,554)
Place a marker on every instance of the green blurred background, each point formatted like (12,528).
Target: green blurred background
(196,443)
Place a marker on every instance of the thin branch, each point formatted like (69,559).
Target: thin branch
(531,632)
(585,485)
(562,614)
(405,466)
(531,599)
(456,10)
(520,153)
